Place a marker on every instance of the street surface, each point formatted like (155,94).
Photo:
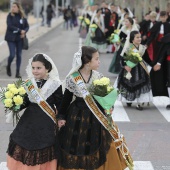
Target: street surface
(147,132)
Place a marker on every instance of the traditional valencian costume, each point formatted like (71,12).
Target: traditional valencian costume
(98,40)
(85,141)
(33,142)
(138,88)
(115,66)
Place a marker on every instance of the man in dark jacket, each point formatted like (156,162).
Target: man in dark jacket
(160,74)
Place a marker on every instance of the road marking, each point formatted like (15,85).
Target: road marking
(143,165)
(80,42)
(119,113)
(161,103)
(9,80)
(3,166)
(138,165)
(2,42)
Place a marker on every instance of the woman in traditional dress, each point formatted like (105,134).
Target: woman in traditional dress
(129,26)
(84,142)
(98,41)
(138,88)
(33,142)
(84,27)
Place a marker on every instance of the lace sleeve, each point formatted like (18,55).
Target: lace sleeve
(70,85)
(96,75)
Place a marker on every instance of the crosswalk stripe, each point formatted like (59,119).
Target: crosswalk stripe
(143,165)
(119,113)
(3,166)
(161,103)
(138,165)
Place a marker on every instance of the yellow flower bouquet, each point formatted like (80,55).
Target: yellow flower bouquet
(87,21)
(12,98)
(133,58)
(105,94)
(92,28)
(80,18)
(114,38)
(84,21)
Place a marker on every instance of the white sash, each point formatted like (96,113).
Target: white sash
(39,100)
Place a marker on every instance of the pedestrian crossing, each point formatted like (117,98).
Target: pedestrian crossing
(138,165)
(121,115)
(161,103)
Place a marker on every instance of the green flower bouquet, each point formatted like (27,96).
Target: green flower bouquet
(12,98)
(87,21)
(84,21)
(92,28)
(105,94)
(114,38)
(132,59)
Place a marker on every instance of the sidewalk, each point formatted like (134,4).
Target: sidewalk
(34,32)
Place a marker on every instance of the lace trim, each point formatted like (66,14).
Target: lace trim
(71,86)
(87,162)
(31,158)
(132,95)
(47,90)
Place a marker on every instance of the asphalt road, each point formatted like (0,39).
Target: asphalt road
(147,132)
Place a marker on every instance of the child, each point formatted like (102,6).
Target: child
(84,142)
(32,143)
(125,30)
(138,88)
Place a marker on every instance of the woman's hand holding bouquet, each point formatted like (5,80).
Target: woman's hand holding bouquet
(132,59)
(93,28)
(114,38)
(12,97)
(105,95)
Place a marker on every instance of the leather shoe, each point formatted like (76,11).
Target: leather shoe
(8,71)
(17,75)
(138,107)
(168,107)
(129,104)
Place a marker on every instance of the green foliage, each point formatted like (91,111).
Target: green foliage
(99,90)
(132,58)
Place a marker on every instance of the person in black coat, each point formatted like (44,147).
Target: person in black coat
(50,14)
(144,27)
(159,71)
(159,30)
(17,26)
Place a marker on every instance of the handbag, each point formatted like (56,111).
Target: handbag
(25,44)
